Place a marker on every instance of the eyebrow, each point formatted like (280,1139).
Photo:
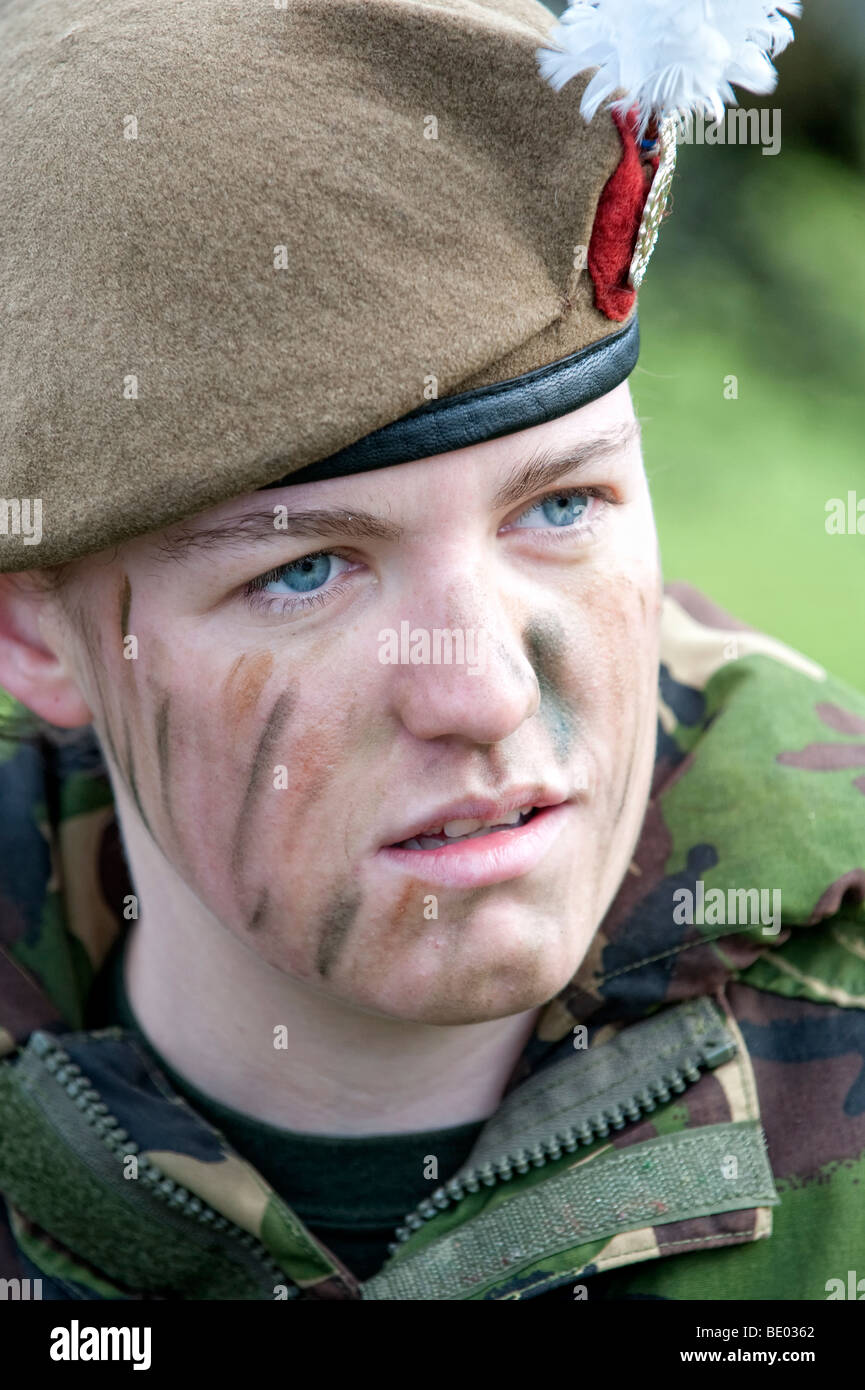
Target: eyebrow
(546,466)
(542,469)
(260,526)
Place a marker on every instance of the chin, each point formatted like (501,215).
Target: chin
(478,989)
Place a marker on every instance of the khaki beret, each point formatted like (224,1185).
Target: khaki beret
(253,243)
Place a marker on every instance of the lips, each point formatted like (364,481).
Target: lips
(476,818)
(493,855)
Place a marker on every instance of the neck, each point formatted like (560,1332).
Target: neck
(271,1047)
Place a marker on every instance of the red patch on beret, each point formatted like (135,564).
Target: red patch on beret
(617,222)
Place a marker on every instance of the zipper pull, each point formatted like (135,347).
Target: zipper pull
(717,1051)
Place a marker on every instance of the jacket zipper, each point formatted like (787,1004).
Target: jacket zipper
(77,1085)
(673,1081)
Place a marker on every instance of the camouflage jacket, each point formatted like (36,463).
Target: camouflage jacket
(687,1121)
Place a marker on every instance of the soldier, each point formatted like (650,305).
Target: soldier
(400,916)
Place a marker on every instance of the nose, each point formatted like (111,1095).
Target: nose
(461,670)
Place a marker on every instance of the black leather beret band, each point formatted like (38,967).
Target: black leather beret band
(488,412)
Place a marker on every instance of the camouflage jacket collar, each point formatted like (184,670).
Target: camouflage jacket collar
(91,1125)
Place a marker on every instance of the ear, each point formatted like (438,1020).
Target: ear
(33,663)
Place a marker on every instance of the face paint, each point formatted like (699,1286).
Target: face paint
(516,671)
(129,772)
(260,771)
(125,605)
(162,727)
(546,646)
(410,896)
(256,921)
(336,924)
(292,872)
(244,683)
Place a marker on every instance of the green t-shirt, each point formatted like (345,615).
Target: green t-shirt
(352,1193)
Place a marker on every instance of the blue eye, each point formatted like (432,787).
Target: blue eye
(303,575)
(299,582)
(561,509)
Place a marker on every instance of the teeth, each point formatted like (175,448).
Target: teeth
(453,828)
(463,830)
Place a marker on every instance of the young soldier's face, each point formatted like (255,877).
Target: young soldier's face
(327,702)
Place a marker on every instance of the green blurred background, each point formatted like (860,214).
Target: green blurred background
(759,272)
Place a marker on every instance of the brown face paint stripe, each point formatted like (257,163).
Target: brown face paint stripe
(259,770)
(229,682)
(336,925)
(244,683)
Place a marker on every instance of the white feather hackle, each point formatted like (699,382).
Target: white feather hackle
(671,57)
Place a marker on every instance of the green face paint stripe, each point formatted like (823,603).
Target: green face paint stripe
(125,605)
(163,714)
(338,920)
(258,916)
(261,765)
(673,1178)
(129,773)
(515,670)
(544,647)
